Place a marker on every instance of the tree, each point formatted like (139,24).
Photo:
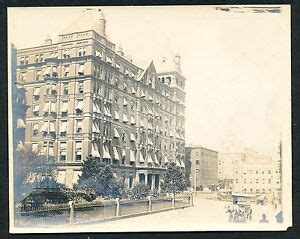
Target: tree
(90,168)
(33,170)
(174,180)
(140,191)
(187,172)
(100,178)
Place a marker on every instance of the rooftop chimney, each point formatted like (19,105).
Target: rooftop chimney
(48,40)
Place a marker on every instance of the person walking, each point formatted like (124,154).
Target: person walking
(263,219)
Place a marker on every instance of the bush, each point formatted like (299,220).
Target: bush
(117,188)
(139,191)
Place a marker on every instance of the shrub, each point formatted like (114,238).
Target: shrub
(117,188)
(139,191)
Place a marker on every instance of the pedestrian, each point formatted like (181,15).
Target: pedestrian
(71,205)
(250,214)
(263,219)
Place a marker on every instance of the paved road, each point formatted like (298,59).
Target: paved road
(205,215)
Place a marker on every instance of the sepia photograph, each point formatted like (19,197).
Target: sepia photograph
(153,118)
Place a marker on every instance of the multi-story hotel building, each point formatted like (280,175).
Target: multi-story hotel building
(204,166)
(85,98)
(248,171)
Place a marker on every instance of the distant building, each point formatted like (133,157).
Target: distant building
(204,166)
(87,98)
(19,105)
(248,171)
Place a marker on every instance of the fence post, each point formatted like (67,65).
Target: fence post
(150,205)
(117,207)
(191,199)
(173,201)
(71,205)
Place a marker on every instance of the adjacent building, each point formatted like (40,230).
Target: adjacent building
(247,171)
(86,98)
(204,166)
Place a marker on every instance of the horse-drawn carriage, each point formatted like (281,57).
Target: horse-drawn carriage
(240,210)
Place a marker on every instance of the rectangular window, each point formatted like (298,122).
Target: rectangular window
(66,70)
(81,51)
(36,110)
(80,87)
(35,129)
(79,124)
(36,93)
(65,88)
(81,70)
(51,151)
(63,127)
(37,75)
(78,150)
(63,151)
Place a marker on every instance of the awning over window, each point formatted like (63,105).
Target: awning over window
(124,102)
(20,123)
(53,107)
(64,107)
(46,107)
(81,69)
(123,153)
(51,151)
(79,105)
(108,59)
(149,158)
(132,157)
(52,127)
(98,54)
(132,137)
(150,112)
(36,92)
(141,123)
(53,87)
(166,159)
(150,141)
(95,107)
(155,159)
(142,160)
(95,150)
(47,71)
(116,153)
(63,127)
(125,119)
(117,117)
(132,121)
(54,70)
(45,127)
(106,154)
(133,90)
(95,128)
(36,108)
(116,133)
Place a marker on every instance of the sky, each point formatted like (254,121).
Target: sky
(237,65)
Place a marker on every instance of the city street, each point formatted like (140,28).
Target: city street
(205,213)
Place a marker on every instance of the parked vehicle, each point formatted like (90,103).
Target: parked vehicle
(240,210)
